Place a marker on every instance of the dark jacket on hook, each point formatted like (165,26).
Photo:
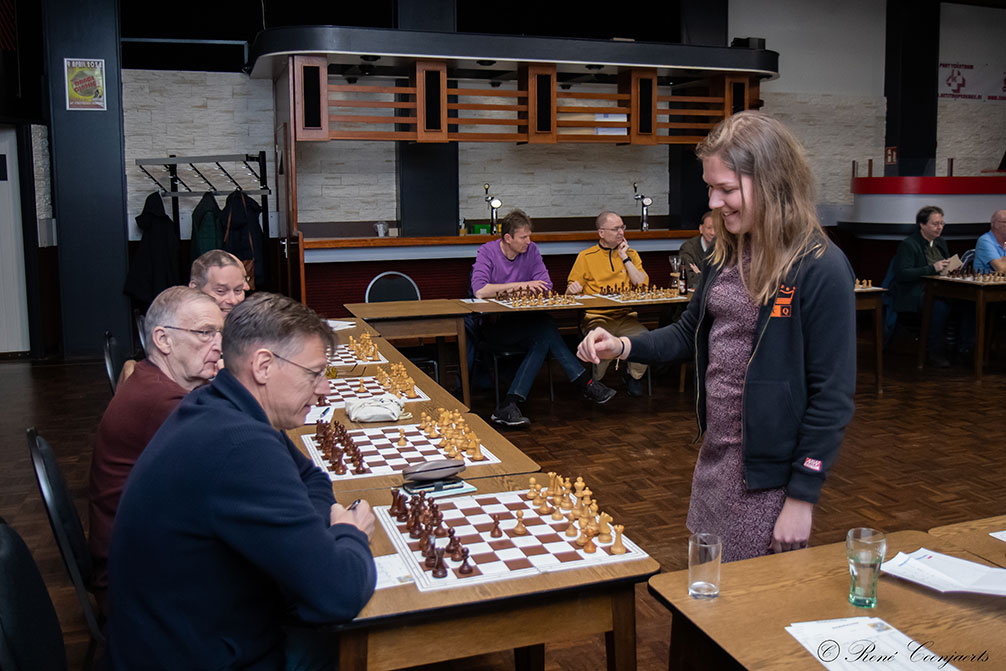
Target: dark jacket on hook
(243,235)
(207,227)
(154,266)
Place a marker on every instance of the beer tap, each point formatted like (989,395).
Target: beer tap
(644,203)
(494,205)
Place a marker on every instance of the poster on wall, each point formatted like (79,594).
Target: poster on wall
(85,83)
(971,81)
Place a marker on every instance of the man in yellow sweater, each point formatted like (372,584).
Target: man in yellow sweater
(610,262)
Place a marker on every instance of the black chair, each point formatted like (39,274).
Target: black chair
(30,635)
(395,286)
(140,320)
(498,353)
(68,530)
(112,364)
(967,261)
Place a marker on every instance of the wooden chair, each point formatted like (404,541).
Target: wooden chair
(30,635)
(68,531)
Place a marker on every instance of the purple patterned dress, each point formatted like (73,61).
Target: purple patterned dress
(720,503)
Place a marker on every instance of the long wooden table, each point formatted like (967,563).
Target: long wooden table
(872,300)
(979,293)
(974,537)
(402,626)
(744,628)
(408,320)
(512,460)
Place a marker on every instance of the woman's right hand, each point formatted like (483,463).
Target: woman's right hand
(599,344)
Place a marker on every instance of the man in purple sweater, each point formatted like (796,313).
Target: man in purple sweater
(514,262)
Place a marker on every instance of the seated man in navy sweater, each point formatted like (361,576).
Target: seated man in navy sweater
(224,530)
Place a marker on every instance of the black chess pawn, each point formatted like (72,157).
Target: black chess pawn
(496,532)
(465,567)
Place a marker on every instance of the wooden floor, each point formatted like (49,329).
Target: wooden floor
(929,451)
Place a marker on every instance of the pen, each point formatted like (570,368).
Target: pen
(352,506)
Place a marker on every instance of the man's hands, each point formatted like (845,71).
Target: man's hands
(941,265)
(694,268)
(623,250)
(599,344)
(792,527)
(361,517)
(574,287)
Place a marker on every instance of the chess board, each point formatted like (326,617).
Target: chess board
(618,298)
(544,549)
(343,388)
(512,304)
(974,279)
(382,454)
(343,356)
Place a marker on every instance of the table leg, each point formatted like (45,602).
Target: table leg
(927,308)
(530,658)
(692,649)
(353,650)
(979,334)
(878,343)
(466,394)
(620,642)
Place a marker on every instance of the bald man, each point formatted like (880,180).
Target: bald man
(990,250)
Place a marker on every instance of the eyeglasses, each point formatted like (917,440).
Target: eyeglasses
(617,229)
(204,335)
(315,374)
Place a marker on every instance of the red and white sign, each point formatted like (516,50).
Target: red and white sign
(971,81)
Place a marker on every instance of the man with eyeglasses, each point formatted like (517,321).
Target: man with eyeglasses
(225,530)
(611,262)
(183,340)
(221,276)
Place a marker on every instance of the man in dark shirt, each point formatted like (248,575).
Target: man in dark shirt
(183,335)
(225,529)
(695,251)
(922,253)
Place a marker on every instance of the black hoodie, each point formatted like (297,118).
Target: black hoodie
(154,266)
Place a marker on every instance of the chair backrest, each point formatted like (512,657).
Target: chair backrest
(65,523)
(968,260)
(111,364)
(391,286)
(30,635)
(140,320)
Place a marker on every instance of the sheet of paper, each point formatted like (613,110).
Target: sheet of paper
(474,300)
(318,412)
(1001,535)
(955,263)
(338,325)
(391,571)
(947,574)
(854,643)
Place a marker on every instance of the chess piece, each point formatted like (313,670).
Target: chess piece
(401,438)
(465,567)
(439,570)
(361,389)
(519,529)
(496,532)
(531,491)
(589,547)
(617,548)
(571,529)
(604,531)
(452,541)
(459,552)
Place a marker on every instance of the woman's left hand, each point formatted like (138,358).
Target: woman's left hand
(792,527)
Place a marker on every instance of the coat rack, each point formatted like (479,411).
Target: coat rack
(230,184)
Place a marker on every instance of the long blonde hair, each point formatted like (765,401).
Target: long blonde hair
(785,225)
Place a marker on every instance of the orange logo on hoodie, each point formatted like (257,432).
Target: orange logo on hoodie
(783,301)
